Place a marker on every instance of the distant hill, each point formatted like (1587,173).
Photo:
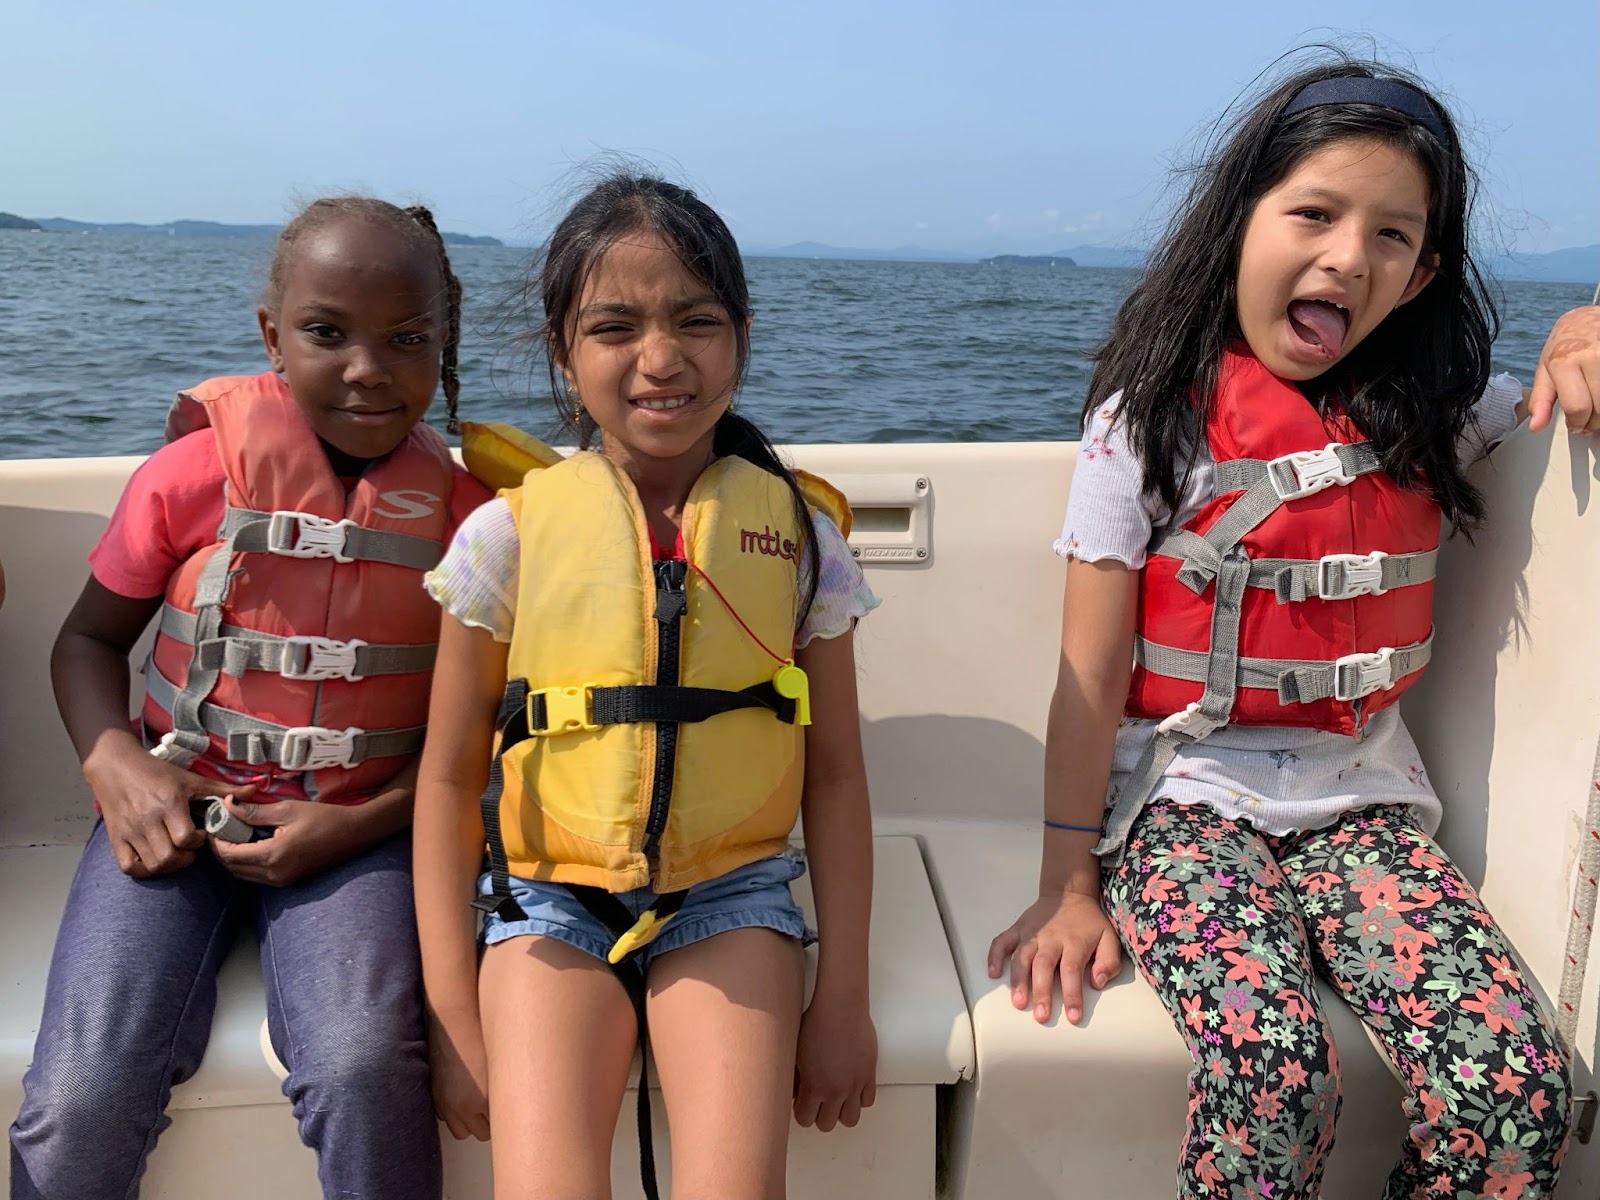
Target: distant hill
(1026,260)
(1576,264)
(1104,256)
(12,221)
(213,229)
(1080,256)
(823,250)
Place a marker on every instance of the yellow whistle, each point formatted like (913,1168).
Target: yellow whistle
(792,683)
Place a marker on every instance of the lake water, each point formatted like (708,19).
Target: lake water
(98,331)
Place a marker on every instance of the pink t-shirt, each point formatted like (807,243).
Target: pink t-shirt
(172,508)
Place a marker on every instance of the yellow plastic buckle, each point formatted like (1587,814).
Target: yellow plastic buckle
(566,710)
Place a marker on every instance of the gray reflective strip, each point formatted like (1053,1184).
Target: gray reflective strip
(237,650)
(1297,681)
(1219,673)
(1203,554)
(1296,579)
(249,530)
(257,742)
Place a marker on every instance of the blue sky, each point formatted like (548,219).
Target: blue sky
(989,128)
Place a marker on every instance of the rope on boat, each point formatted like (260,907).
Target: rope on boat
(1580,928)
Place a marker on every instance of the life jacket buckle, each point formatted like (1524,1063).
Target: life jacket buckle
(566,710)
(309,657)
(1345,576)
(1358,675)
(306,535)
(1306,472)
(1188,723)
(312,748)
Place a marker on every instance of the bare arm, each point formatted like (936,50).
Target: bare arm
(145,801)
(1065,931)
(838,1048)
(468,682)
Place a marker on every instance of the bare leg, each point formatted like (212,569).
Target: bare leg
(560,1034)
(724,1018)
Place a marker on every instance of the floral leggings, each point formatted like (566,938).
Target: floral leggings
(1230,927)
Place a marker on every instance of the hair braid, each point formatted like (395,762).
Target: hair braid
(449,372)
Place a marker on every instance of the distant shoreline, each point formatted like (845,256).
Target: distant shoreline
(187,229)
(1574,264)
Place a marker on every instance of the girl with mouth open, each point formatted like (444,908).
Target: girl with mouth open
(1276,429)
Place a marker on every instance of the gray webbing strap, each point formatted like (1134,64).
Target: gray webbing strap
(236,650)
(1239,474)
(1200,719)
(1297,681)
(1343,576)
(306,535)
(188,730)
(304,748)
(1267,484)
(1332,577)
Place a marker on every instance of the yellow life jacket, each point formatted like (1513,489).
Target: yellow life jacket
(651,734)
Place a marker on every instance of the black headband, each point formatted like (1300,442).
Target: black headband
(1362,89)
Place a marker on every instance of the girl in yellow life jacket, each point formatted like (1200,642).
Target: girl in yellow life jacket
(645,675)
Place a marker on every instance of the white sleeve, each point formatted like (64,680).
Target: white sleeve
(1109,515)
(476,580)
(843,594)
(1496,413)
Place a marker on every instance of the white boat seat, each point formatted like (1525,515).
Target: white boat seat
(924,1042)
(1103,1104)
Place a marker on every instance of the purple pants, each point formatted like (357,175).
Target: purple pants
(128,1007)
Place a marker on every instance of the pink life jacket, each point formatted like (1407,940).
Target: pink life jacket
(299,645)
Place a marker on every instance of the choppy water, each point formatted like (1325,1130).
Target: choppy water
(98,331)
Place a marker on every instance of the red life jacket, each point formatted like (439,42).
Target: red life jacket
(1335,622)
(300,644)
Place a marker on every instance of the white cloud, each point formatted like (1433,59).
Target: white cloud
(1086,224)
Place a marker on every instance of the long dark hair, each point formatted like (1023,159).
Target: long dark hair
(1409,387)
(628,201)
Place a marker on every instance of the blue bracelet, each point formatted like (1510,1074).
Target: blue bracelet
(1049,824)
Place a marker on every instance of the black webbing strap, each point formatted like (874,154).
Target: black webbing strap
(513,729)
(653,703)
(604,907)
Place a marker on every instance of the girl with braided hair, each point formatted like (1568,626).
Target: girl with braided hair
(280,539)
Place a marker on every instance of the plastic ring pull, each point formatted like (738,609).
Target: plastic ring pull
(790,682)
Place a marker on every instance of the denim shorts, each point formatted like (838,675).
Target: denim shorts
(755,896)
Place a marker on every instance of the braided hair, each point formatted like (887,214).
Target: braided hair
(417,224)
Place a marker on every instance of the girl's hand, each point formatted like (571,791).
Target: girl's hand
(145,803)
(306,838)
(1569,373)
(460,1074)
(836,1066)
(1067,932)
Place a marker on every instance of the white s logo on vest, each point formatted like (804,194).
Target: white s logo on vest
(411,503)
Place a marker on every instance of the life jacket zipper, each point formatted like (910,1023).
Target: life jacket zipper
(671,602)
